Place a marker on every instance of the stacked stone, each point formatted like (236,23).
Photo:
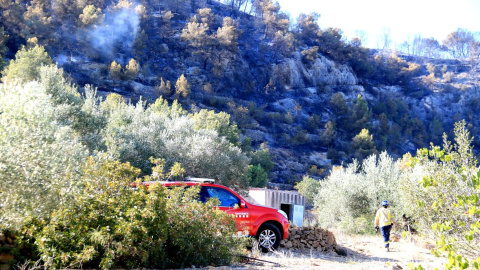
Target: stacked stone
(310,238)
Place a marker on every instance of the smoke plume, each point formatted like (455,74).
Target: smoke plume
(118,31)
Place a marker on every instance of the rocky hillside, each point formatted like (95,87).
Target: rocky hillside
(311,98)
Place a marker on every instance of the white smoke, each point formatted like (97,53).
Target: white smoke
(119,29)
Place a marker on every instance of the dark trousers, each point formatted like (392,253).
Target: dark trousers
(386,234)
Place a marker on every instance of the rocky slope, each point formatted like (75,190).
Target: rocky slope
(287,101)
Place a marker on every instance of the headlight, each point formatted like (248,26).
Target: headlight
(283,213)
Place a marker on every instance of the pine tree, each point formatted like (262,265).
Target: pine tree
(363,145)
(132,69)
(182,87)
(115,71)
(27,64)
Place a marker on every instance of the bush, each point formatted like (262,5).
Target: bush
(257,177)
(134,134)
(308,187)
(350,195)
(27,64)
(40,153)
(446,197)
(110,225)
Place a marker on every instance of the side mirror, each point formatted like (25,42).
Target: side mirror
(242,204)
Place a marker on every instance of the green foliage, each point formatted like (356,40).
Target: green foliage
(165,88)
(360,114)
(47,130)
(132,69)
(3,48)
(257,177)
(115,70)
(308,28)
(449,187)
(363,144)
(134,134)
(328,136)
(300,138)
(351,195)
(394,70)
(308,187)
(27,64)
(227,35)
(91,15)
(111,226)
(182,87)
(262,157)
(220,122)
(40,151)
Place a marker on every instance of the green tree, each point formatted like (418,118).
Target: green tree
(115,71)
(262,157)
(227,35)
(309,188)
(164,88)
(307,28)
(134,133)
(328,136)
(341,110)
(363,145)
(459,43)
(384,125)
(91,15)
(220,122)
(358,188)
(164,234)
(446,198)
(257,177)
(41,153)
(283,44)
(196,34)
(182,87)
(131,69)
(3,48)
(27,64)
(271,18)
(38,21)
(436,130)
(360,114)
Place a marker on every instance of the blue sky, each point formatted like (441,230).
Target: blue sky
(402,19)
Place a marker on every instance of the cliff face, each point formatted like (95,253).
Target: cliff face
(288,100)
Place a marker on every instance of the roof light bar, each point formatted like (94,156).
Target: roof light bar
(200,180)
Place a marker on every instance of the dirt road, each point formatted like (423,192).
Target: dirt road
(362,252)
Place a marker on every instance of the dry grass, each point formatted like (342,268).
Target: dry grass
(363,252)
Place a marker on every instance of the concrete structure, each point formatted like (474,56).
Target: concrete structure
(291,202)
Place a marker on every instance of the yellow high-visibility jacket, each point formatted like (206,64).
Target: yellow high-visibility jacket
(383,217)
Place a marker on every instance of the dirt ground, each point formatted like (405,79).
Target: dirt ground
(362,252)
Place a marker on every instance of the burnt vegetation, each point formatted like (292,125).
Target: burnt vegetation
(307,96)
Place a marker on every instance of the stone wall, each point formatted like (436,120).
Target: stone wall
(310,238)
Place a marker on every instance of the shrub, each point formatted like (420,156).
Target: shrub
(134,134)
(308,187)
(350,195)
(262,157)
(446,197)
(110,225)
(257,177)
(27,64)
(40,153)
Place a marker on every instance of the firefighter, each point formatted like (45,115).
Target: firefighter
(384,221)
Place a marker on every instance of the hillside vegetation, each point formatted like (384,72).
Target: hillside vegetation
(98,94)
(308,96)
